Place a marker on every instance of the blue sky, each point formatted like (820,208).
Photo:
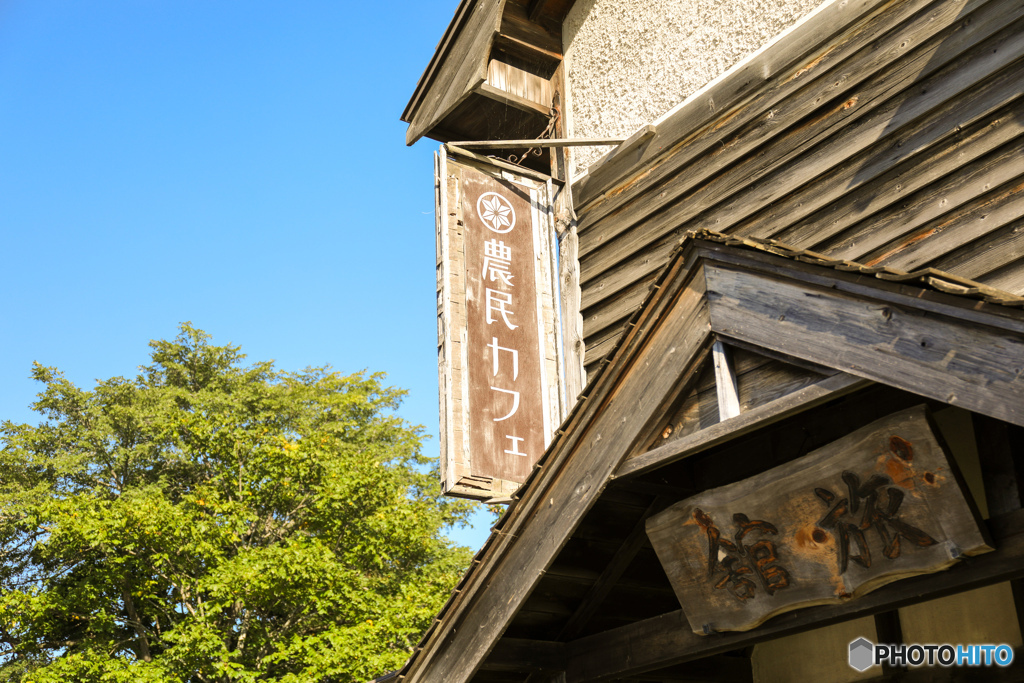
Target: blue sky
(237,164)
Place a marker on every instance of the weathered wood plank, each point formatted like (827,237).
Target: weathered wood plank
(633,266)
(623,156)
(600,344)
(931,209)
(543,142)
(971,366)
(760,380)
(667,640)
(607,318)
(510,99)
(773,381)
(871,287)
(572,320)
(975,219)
(877,179)
(881,504)
(444,46)
(517,26)
(449,415)
(612,309)
(756,418)
(725,382)
(520,654)
(1009,278)
(518,82)
(977,259)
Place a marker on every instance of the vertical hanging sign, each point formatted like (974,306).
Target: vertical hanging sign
(506,405)
(498,329)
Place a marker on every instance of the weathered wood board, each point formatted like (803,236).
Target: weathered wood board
(499,375)
(881,504)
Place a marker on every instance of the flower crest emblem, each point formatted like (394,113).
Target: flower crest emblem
(496,212)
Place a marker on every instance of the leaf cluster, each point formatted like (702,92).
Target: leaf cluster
(215,521)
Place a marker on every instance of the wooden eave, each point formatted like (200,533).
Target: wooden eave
(489,77)
(947,347)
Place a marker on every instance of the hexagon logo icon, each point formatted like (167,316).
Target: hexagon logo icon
(862,654)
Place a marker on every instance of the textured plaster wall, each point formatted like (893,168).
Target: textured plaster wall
(630,61)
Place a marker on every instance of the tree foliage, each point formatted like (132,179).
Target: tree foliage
(212,521)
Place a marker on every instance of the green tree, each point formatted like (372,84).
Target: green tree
(212,521)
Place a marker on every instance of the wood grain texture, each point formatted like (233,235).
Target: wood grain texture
(569,293)
(720,432)
(879,505)
(972,366)
(727,389)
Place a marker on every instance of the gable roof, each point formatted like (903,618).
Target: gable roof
(904,333)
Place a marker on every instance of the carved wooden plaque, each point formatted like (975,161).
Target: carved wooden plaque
(881,504)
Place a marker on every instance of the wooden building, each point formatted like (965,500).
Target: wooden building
(825,237)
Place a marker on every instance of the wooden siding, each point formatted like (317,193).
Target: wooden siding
(884,133)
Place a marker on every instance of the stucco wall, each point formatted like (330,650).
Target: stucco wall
(630,61)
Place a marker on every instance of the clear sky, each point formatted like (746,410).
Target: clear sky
(238,164)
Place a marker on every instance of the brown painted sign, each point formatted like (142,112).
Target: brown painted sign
(506,405)
(498,364)
(881,504)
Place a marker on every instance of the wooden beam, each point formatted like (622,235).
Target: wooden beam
(762,416)
(536,9)
(521,654)
(667,640)
(725,383)
(968,365)
(572,322)
(614,570)
(888,630)
(998,469)
(720,669)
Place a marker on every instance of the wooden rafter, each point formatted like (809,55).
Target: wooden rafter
(613,571)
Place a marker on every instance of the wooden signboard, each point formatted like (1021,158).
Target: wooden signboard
(498,328)
(876,506)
